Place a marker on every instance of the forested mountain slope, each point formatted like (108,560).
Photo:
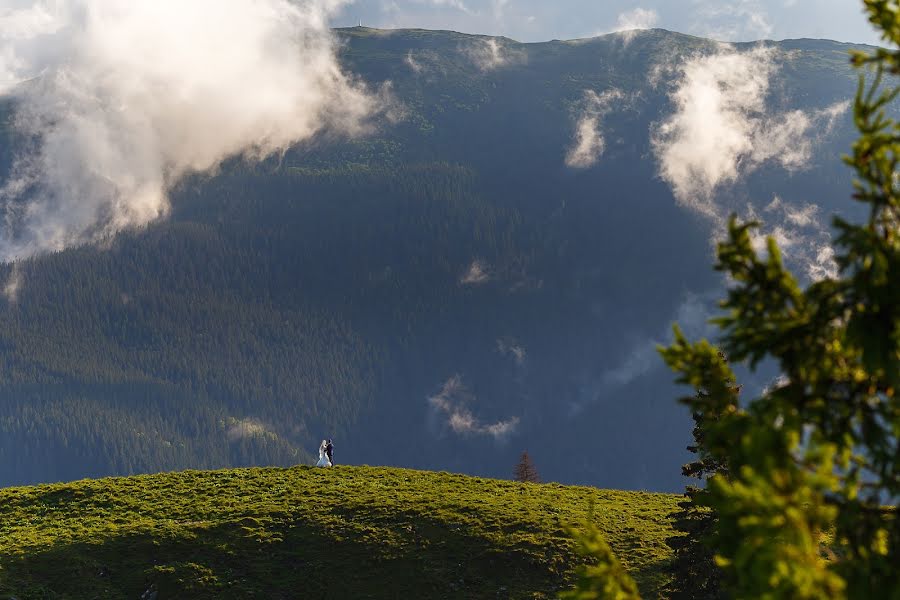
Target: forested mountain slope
(441,293)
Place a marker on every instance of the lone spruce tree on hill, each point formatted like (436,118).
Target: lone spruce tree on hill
(525,471)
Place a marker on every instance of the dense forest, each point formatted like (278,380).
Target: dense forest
(442,293)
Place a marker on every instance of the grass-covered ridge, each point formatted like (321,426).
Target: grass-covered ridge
(349,532)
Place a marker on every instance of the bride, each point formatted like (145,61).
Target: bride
(323,457)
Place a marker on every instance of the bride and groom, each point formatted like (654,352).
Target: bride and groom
(326,454)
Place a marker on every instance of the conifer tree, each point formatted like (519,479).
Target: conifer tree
(814,460)
(606,578)
(525,471)
(695,576)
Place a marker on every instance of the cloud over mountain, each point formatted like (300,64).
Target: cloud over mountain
(489,54)
(452,401)
(632,21)
(589,143)
(723,128)
(121,98)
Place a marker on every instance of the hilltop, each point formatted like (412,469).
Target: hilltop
(347,532)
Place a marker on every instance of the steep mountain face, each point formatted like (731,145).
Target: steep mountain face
(441,293)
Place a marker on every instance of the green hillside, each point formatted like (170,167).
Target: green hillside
(348,532)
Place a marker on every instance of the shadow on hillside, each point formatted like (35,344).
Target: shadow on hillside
(276,557)
(343,551)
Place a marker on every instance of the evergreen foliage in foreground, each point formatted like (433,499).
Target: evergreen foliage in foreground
(813,462)
(302,532)
(695,575)
(807,509)
(605,579)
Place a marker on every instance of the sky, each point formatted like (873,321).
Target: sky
(542,20)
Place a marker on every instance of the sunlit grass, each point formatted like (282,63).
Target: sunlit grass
(349,532)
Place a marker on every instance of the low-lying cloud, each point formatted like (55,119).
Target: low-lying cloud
(414,65)
(489,54)
(589,143)
(452,404)
(118,99)
(425,63)
(802,237)
(12,285)
(719,108)
(630,23)
(692,315)
(477,273)
(247,428)
(510,347)
(722,128)
(640,357)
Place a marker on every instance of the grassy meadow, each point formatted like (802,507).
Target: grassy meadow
(302,532)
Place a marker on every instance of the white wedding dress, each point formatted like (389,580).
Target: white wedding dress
(323,458)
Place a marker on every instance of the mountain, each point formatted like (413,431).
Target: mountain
(441,293)
(348,532)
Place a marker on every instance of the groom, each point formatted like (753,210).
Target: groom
(329,451)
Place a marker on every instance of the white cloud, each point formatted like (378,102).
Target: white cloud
(488,54)
(477,273)
(789,138)
(641,360)
(722,129)
(719,104)
(412,63)
(589,144)
(640,356)
(423,63)
(513,349)
(12,285)
(777,382)
(629,23)
(246,428)
(127,96)
(451,403)
(803,239)
(692,315)
(829,115)
(20,34)
(822,265)
(732,20)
